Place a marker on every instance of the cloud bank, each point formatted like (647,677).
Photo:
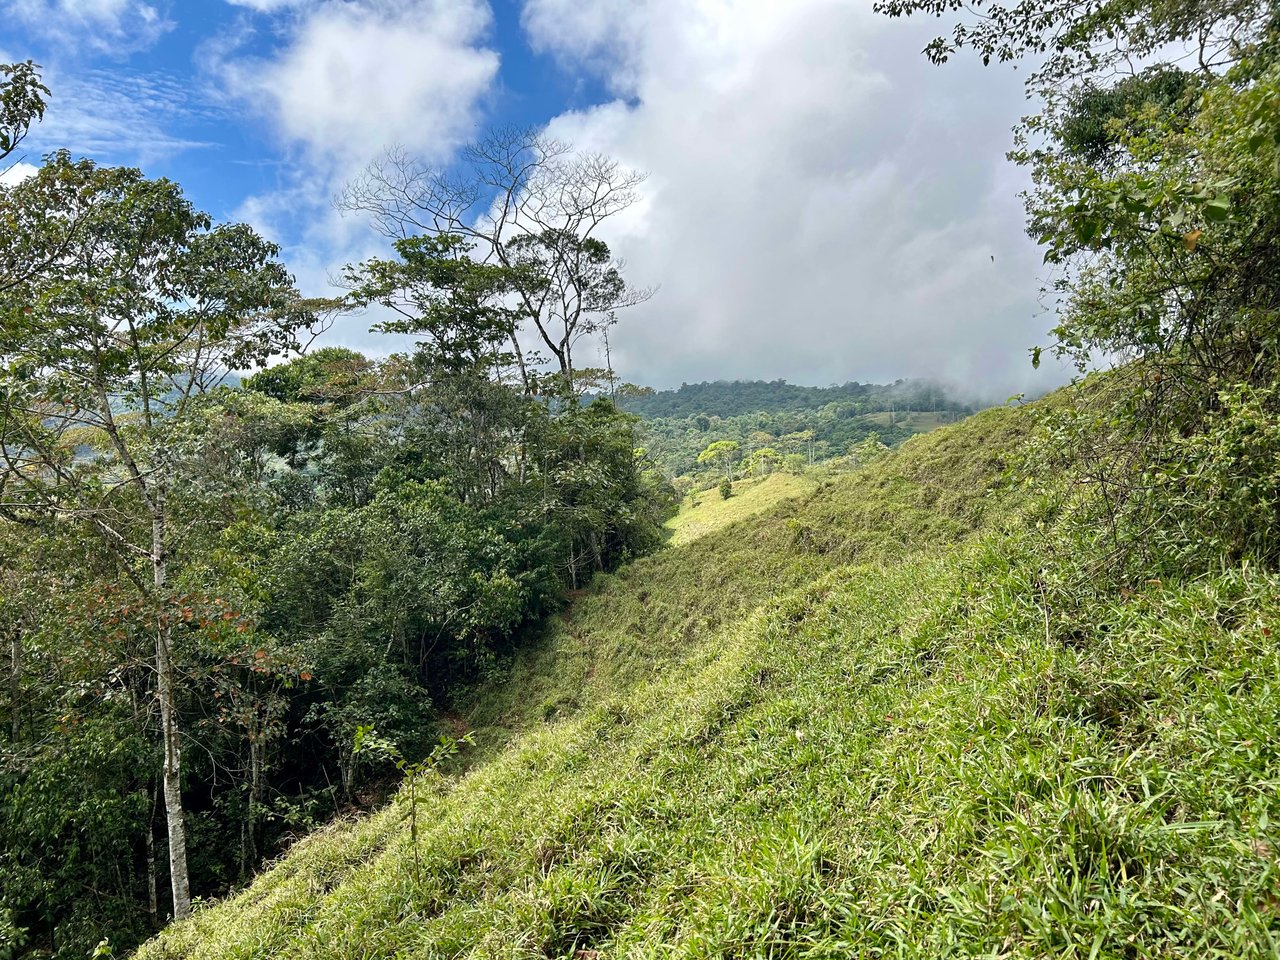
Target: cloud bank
(823,205)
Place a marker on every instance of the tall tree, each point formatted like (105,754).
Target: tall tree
(722,453)
(137,305)
(530,203)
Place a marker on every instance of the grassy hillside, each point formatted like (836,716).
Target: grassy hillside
(914,421)
(934,491)
(706,511)
(852,720)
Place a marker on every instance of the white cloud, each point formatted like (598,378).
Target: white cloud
(15,173)
(355,77)
(112,26)
(117,116)
(350,79)
(269,6)
(823,204)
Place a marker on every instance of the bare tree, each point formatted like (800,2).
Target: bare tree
(530,203)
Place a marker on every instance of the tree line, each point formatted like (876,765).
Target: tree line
(734,398)
(794,438)
(208,584)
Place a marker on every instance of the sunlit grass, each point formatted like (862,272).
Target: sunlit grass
(706,511)
(919,421)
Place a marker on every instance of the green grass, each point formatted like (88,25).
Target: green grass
(847,724)
(919,421)
(935,490)
(706,511)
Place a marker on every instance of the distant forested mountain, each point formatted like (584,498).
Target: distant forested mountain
(731,398)
(775,423)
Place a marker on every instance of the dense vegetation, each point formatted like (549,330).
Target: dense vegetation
(1009,689)
(780,425)
(209,585)
(1014,703)
(873,718)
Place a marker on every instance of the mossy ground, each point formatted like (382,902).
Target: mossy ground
(849,724)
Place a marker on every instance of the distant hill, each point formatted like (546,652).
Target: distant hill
(812,423)
(732,398)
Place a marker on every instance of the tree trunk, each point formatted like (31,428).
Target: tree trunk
(15,681)
(167,695)
(153,898)
(250,856)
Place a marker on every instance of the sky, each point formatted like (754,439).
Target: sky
(822,204)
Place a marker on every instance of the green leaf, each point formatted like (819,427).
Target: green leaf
(1218,209)
(1087,229)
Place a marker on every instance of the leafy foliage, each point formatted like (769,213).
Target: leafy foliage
(726,399)
(22,103)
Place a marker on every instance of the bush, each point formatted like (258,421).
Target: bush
(1138,504)
(726,489)
(1214,496)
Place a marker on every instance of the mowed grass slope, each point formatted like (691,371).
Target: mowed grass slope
(706,511)
(852,725)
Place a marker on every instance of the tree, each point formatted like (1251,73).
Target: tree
(868,450)
(139,305)
(1093,37)
(22,103)
(765,460)
(722,453)
(528,203)
(454,385)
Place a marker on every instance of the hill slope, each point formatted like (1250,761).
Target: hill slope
(800,424)
(848,725)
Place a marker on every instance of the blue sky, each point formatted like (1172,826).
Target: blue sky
(146,89)
(822,205)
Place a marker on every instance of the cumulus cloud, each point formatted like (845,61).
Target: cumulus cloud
(15,173)
(823,205)
(112,26)
(354,77)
